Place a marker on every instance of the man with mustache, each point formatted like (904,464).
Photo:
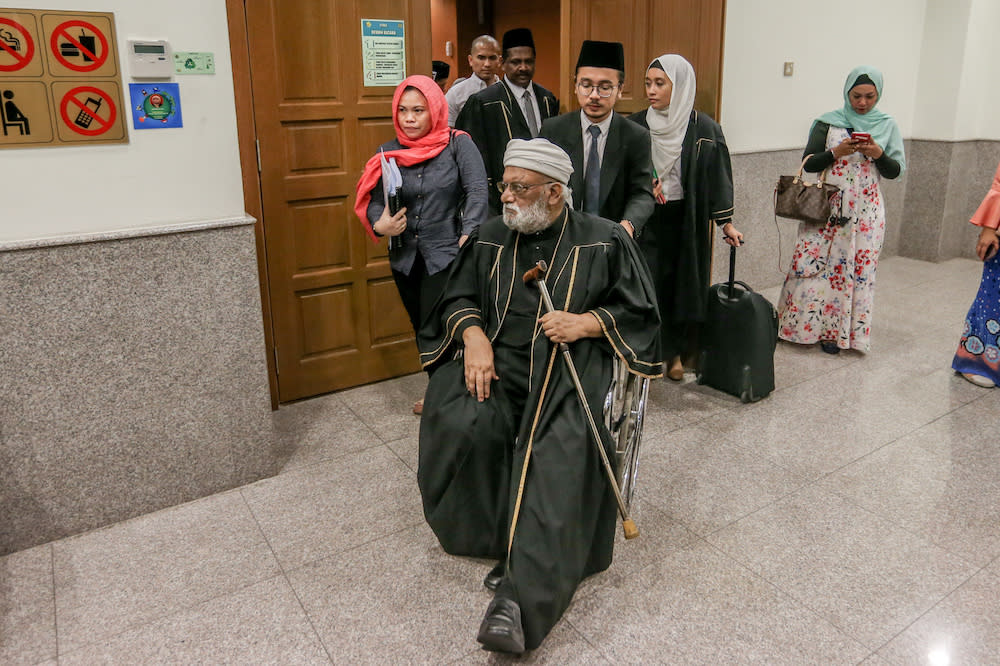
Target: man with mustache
(514,108)
(612,176)
(507,465)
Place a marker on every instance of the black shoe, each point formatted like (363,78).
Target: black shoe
(501,629)
(495,576)
(830,347)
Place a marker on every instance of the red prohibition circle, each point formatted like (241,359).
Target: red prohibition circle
(62,30)
(19,61)
(103,125)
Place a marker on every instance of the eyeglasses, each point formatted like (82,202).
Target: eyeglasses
(603,90)
(517,189)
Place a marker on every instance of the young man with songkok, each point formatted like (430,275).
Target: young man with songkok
(612,176)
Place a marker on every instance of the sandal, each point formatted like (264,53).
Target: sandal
(979,380)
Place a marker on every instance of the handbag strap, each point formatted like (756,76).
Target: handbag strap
(460,206)
(819,182)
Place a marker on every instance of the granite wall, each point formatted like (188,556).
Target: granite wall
(132,377)
(927,208)
(949,180)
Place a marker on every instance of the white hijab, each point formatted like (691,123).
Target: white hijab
(668,127)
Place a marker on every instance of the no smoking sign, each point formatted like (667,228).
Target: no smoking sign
(18,39)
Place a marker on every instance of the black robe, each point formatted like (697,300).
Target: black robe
(542,501)
(707,178)
(492,117)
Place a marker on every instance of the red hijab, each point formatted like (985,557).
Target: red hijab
(416,151)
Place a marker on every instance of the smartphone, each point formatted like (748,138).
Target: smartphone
(861,137)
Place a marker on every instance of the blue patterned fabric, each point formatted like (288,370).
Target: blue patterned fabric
(979,349)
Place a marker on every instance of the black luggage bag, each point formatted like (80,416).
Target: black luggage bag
(738,339)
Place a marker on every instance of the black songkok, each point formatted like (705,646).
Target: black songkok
(602,54)
(518,37)
(440,70)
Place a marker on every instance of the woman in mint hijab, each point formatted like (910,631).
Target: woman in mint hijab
(828,292)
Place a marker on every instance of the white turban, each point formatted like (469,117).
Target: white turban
(539,155)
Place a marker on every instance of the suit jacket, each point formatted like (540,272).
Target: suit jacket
(492,117)
(626,169)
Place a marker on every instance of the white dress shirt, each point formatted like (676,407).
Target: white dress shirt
(602,140)
(518,93)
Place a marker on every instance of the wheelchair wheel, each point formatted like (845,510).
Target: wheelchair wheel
(624,411)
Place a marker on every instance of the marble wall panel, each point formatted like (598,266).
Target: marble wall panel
(132,377)
(762,260)
(928,166)
(973,165)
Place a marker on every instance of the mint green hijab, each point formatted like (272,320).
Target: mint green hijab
(880,125)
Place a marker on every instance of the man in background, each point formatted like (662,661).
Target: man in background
(513,108)
(612,166)
(439,72)
(484,59)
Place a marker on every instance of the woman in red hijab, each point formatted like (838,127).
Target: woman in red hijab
(441,200)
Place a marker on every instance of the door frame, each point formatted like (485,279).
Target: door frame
(246,131)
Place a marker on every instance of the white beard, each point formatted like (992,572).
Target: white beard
(528,220)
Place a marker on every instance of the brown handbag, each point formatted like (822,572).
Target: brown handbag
(809,202)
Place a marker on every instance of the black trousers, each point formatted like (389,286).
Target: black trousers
(419,291)
(660,243)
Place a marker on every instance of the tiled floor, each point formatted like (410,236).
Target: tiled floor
(851,517)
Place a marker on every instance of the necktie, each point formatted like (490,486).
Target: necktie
(529,114)
(592,176)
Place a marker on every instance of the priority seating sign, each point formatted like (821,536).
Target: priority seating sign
(60,79)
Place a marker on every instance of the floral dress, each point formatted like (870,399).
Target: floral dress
(979,349)
(828,291)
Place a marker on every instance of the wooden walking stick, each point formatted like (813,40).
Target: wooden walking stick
(628,525)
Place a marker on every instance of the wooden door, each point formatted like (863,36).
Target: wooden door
(695,30)
(648,28)
(337,318)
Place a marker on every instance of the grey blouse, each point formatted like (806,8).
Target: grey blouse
(431,193)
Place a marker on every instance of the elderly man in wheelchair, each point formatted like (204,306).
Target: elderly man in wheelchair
(548,318)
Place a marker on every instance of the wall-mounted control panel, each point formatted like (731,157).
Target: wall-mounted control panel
(150,59)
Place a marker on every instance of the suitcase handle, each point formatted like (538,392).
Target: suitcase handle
(731,294)
(732,271)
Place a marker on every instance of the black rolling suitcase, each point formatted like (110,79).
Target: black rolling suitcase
(738,339)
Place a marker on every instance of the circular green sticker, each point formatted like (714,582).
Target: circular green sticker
(158,106)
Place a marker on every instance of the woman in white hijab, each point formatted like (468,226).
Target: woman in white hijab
(693,186)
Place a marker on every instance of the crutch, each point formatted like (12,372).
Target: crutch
(628,525)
